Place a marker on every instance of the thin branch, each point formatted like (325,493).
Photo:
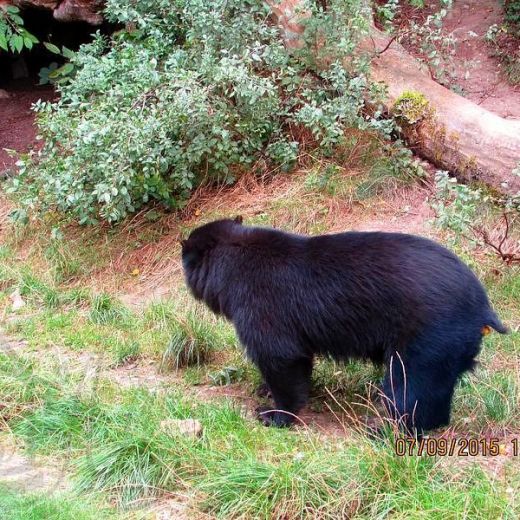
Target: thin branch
(387,46)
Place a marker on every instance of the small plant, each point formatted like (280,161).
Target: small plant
(411,108)
(324,179)
(387,12)
(33,288)
(126,352)
(429,42)
(227,376)
(66,265)
(456,206)
(54,73)
(512,12)
(13,35)
(504,40)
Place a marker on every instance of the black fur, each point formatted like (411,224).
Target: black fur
(396,299)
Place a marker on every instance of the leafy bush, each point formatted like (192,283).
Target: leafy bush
(512,11)
(190,91)
(455,204)
(13,35)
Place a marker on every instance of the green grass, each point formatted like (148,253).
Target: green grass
(239,468)
(14,506)
(107,310)
(488,399)
(102,324)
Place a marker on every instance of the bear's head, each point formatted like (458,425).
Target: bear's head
(199,245)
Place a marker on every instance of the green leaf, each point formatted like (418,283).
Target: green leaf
(67,53)
(52,48)
(3,42)
(18,20)
(17,42)
(11,9)
(28,42)
(65,69)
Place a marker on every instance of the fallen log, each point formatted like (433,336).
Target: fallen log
(453,133)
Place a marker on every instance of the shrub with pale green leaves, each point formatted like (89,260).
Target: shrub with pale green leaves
(190,91)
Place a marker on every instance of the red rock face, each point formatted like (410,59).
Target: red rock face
(43,4)
(67,10)
(80,10)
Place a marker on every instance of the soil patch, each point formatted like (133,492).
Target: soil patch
(479,73)
(27,474)
(17,129)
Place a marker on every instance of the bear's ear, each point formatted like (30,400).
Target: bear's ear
(239,219)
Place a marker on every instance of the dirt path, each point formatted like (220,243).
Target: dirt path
(27,475)
(479,73)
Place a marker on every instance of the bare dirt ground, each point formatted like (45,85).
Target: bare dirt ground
(29,476)
(479,73)
(17,130)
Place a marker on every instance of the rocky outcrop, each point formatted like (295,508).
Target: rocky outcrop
(68,10)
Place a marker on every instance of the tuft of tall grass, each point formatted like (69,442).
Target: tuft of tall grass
(193,339)
(20,387)
(125,352)
(489,398)
(107,310)
(37,290)
(130,468)
(59,424)
(64,261)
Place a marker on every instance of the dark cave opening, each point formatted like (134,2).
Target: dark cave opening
(24,67)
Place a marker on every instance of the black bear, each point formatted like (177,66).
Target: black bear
(392,298)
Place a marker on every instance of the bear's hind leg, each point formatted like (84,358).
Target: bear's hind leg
(289,382)
(418,394)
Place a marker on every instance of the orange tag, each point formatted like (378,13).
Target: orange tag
(485,330)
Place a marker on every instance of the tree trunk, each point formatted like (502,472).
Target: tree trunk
(458,135)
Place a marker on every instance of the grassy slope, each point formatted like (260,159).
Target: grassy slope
(109,432)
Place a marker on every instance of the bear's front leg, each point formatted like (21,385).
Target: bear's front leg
(289,382)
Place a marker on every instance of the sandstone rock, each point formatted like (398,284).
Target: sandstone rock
(42,4)
(182,427)
(68,10)
(16,300)
(79,10)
